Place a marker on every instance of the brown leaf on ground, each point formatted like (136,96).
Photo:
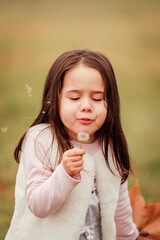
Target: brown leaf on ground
(146,217)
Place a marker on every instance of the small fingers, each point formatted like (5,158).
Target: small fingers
(73,159)
(74,152)
(74,171)
(73,168)
(72,164)
(78,164)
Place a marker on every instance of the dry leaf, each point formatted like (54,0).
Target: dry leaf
(146,217)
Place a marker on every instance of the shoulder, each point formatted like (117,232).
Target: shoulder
(41,133)
(43,128)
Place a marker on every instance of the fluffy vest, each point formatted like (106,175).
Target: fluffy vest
(68,221)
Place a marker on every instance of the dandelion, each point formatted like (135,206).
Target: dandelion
(83,136)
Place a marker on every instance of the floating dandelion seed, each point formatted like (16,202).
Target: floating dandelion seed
(4,129)
(83,136)
(29,90)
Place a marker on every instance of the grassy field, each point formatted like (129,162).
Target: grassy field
(34,33)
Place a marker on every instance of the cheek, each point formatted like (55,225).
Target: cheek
(64,118)
(66,114)
(63,114)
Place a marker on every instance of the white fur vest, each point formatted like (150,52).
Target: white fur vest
(68,221)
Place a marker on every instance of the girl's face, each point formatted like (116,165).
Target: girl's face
(82,104)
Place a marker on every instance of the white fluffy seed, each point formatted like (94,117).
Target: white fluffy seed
(83,136)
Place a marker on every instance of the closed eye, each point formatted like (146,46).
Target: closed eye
(75,98)
(98,96)
(97,99)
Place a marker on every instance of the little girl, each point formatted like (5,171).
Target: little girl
(71,187)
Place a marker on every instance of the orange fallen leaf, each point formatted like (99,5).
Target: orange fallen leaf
(146,217)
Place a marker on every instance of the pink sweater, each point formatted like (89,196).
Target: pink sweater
(46,190)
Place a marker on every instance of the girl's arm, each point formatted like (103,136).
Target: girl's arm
(46,190)
(126,228)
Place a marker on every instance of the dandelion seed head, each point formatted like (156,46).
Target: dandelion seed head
(83,136)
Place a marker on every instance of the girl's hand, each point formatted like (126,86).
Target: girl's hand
(73,161)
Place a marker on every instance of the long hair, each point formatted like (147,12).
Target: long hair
(110,133)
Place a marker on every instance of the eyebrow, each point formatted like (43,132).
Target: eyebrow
(77,91)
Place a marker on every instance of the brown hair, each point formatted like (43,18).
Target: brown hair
(111,131)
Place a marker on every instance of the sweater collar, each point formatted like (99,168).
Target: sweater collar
(90,148)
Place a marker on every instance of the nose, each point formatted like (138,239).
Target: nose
(86,105)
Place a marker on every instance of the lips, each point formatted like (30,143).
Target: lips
(85,121)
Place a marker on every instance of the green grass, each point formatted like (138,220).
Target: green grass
(34,33)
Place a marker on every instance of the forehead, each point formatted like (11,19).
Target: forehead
(83,77)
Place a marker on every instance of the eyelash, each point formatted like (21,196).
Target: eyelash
(97,100)
(74,98)
(94,99)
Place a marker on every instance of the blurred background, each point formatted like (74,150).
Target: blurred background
(34,33)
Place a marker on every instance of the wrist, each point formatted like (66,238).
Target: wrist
(74,177)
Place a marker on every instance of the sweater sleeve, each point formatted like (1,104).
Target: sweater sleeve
(46,190)
(126,228)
